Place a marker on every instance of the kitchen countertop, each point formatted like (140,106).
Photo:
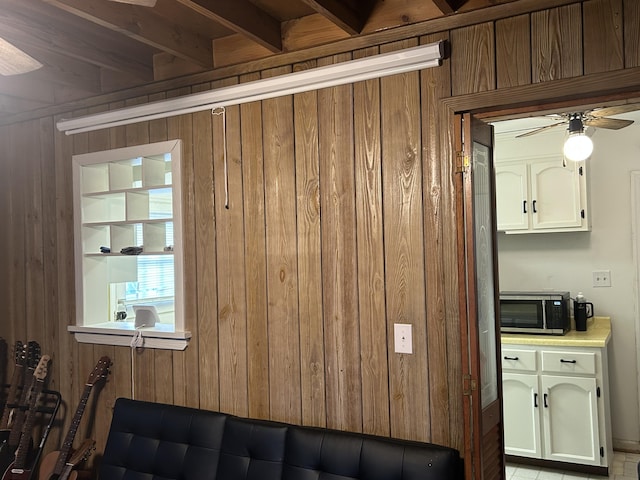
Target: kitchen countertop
(597,335)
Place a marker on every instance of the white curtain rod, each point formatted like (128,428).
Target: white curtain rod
(392,63)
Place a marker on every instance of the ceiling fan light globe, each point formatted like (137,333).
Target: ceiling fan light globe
(578,147)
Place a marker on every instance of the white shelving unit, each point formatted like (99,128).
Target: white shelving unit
(129,199)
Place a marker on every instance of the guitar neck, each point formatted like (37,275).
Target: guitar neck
(12,396)
(18,415)
(65,451)
(23,446)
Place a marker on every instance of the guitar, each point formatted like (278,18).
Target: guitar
(10,406)
(79,455)
(65,460)
(33,357)
(18,469)
(16,382)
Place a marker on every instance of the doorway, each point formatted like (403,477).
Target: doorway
(571,260)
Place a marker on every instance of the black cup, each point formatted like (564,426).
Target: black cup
(582,311)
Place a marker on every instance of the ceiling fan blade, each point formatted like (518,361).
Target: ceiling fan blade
(617,110)
(610,123)
(142,3)
(14,61)
(541,129)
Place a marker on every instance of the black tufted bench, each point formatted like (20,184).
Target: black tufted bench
(152,441)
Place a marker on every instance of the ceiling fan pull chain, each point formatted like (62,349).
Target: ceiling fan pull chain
(222,111)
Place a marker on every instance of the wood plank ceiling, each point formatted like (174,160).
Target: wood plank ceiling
(89,47)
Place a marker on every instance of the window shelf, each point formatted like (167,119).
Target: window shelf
(129,197)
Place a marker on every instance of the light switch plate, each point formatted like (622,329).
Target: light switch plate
(402,338)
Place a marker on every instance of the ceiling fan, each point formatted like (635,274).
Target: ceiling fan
(598,117)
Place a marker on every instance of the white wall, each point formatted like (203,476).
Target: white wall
(565,261)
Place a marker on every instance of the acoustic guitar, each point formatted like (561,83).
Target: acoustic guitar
(60,465)
(19,470)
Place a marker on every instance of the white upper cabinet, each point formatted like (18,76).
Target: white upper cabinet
(541,195)
(537,191)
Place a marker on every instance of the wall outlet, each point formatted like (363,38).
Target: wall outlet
(402,338)
(602,278)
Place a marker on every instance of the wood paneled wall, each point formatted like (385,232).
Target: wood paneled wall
(341,222)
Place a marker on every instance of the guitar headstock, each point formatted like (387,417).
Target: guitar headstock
(33,354)
(20,353)
(43,368)
(100,371)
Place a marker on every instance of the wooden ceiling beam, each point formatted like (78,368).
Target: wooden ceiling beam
(340,14)
(449,6)
(243,17)
(143,25)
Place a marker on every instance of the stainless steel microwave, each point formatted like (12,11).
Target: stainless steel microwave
(545,313)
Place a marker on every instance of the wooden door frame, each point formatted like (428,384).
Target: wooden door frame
(580,93)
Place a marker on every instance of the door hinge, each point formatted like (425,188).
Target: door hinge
(462,162)
(469,384)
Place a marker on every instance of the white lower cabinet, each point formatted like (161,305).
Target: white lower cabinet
(555,404)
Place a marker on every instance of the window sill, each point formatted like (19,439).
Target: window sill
(123,334)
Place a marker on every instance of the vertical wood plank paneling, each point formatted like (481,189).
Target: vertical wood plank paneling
(309,256)
(209,369)
(6,288)
(282,277)
(473,59)
(339,255)
(603,36)
(17,228)
(255,256)
(66,348)
(631,33)
(186,362)
(232,316)
(33,231)
(162,359)
(441,328)
(556,43)
(513,51)
(404,257)
(369,232)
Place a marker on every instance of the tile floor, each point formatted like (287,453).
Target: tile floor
(625,467)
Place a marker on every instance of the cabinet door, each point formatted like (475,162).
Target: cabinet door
(511,197)
(570,419)
(521,407)
(555,195)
